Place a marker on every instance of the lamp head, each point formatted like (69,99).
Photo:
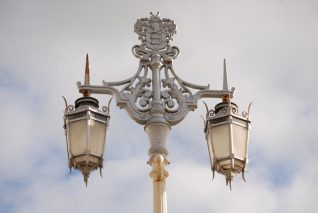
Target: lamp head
(227,135)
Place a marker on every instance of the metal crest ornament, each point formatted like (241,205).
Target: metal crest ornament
(155,33)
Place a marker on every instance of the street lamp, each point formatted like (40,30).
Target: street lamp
(227,139)
(158,99)
(85,129)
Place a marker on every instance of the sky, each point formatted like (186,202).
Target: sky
(271,48)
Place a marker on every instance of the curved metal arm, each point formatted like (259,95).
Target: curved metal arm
(123,100)
(136,96)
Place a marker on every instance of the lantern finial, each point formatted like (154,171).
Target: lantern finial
(229,178)
(86,81)
(86,77)
(225,98)
(225,85)
(86,170)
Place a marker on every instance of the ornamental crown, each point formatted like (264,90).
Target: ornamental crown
(155,33)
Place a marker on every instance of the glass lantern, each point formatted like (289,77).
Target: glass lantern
(86,130)
(227,135)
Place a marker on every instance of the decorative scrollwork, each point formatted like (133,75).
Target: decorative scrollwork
(230,108)
(170,117)
(144,102)
(170,103)
(139,51)
(247,114)
(144,116)
(105,109)
(234,110)
(209,112)
(141,94)
(171,96)
(170,53)
(68,108)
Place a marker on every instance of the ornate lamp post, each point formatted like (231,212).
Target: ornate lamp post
(158,99)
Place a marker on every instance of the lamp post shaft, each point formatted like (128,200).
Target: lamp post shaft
(158,134)
(159,197)
(159,175)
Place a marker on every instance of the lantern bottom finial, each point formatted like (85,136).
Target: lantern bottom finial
(86,170)
(229,175)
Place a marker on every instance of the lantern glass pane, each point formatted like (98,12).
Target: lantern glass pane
(239,141)
(97,137)
(77,137)
(221,140)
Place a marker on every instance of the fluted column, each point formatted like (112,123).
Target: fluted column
(158,133)
(158,175)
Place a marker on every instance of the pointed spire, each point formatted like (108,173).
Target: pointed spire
(86,93)
(225,86)
(229,178)
(225,98)
(86,81)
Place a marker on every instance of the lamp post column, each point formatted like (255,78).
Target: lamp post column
(159,175)
(158,133)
